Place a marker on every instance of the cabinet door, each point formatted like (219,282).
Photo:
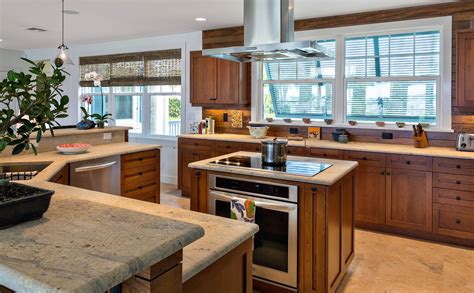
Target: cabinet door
(465,69)
(370,194)
(228,82)
(203,79)
(189,156)
(409,199)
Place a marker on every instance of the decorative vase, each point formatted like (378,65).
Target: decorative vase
(100,124)
(85,124)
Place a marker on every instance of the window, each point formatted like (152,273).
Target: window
(393,77)
(299,89)
(400,75)
(141,90)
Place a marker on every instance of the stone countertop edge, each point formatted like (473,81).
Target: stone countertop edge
(75,131)
(396,149)
(329,177)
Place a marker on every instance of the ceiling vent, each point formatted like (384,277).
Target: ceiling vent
(35,29)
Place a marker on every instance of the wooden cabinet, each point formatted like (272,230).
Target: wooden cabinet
(454,221)
(189,151)
(465,69)
(225,147)
(327,153)
(218,82)
(409,199)
(140,176)
(370,194)
(62,177)
(252,147)
(298,151)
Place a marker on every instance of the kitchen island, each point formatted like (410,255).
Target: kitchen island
(90,241)
(306,221)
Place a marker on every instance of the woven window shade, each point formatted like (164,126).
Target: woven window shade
(134,69)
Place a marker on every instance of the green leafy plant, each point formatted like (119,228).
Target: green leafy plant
(85,114)
(102,119)
(31,103)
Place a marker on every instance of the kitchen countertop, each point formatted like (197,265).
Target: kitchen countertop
(31,253)
(75,131)
(329,176)
(444,152)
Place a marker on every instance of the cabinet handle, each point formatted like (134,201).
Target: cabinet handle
(325,155)
(140,159)
(458,221)
(364,158)
(458,166)
(458,198)
(140,187)
(140,173)
(383,173)
(314,189)
(458,182)
(408,162)
(195,143)
(388,173)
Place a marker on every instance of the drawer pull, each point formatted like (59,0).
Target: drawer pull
(140,187)
(383,173)
(325,155)
(458,198)
(388,173)
(458,221)
(408,162)
(458,166)
(140,173)
(458,182)
(314,189)
(140,159)
(364,158)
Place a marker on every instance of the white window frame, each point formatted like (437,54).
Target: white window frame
(444,86)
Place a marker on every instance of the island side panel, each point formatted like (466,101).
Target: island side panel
(199,190)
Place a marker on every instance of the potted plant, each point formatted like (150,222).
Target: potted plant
(100,120)
(86,123)
(31,104)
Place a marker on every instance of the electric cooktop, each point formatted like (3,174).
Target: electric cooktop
(300,168)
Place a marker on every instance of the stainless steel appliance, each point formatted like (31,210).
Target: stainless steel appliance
(465,142)
(99,175)
(269,35)
(274,151)
(292,167)
(275,245)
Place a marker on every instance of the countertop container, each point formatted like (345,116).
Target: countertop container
(274,151)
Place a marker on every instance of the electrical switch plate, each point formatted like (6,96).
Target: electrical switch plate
(107,135)
(293,130)
(225,117)
(387,135)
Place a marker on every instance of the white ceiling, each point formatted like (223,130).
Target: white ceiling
(111,20)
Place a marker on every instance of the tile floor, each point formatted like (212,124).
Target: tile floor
(386,263)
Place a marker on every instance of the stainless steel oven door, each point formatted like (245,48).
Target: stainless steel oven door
(275,245)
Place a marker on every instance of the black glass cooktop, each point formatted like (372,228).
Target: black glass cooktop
(300,168)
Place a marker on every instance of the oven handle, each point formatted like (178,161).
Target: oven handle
(282,207)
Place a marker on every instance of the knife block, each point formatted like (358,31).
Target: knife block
(421,141)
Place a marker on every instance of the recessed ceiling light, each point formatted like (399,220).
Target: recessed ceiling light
(201,19)
(1,40)
(72,12)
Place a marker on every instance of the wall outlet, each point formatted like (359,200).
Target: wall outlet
(293,130)
(225,117)
(387,135)
(107,135)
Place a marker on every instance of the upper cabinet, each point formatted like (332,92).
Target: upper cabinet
(465,69)
(218,82)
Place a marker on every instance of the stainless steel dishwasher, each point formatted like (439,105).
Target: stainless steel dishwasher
(99,175)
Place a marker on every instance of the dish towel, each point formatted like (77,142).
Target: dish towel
(242,210)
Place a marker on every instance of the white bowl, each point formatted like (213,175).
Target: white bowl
(258,132)
(73,148)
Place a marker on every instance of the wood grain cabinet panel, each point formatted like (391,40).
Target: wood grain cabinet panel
(327,153)
(453,166)
(454,221)
(203,79)
(228,82)
(298,151)
(417,163)
(62,177)
(188,154)
(452,181)
(140,176)
(453,197)
(366,159)
(370,194)
(252,147)
(409,199)
(465,69)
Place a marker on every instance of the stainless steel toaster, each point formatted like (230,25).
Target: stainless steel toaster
(465,142)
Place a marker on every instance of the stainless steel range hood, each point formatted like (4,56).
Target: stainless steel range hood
(269,35)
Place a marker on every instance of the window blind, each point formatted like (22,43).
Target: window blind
(393,77)
(299,88)
(134,69)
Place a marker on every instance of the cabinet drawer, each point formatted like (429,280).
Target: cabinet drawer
(252,147)
(139,179)
(454,221)
(139,160)
(298,151)
(416,163)
(453,197)
(227,146)
(195,144)
(327,153)
(140,192)
(366,159)
(453,166)
(451,181)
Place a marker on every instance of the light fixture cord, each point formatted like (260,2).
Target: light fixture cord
(62,21)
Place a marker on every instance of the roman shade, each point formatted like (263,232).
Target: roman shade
(134,69)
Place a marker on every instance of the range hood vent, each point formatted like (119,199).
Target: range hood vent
(269,35)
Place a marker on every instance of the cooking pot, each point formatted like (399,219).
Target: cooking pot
(274,151)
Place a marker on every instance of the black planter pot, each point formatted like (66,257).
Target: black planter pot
(21,203)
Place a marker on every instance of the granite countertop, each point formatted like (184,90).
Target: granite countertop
(330,176)
(444,152)
(29,257)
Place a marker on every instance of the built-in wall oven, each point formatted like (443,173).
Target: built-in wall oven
(275,245)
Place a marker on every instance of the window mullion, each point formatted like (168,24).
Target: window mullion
(339,104)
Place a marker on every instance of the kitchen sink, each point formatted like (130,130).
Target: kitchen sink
(21,171)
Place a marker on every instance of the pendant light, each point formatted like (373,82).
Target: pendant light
(63,55)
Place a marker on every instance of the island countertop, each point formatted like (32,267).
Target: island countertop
(220,235)
(329,176)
